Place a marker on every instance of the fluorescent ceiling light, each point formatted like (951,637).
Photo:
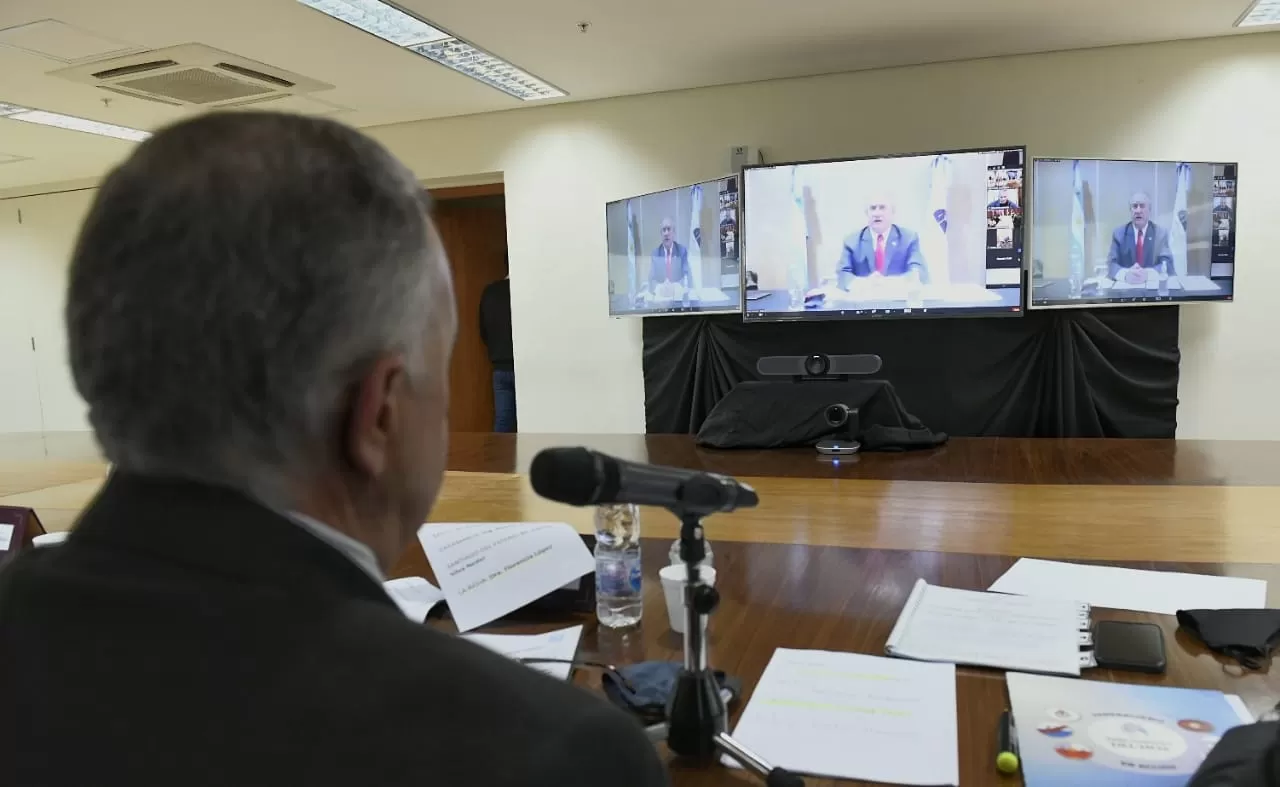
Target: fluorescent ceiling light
(1262,12)
(493,71)
(71,123)
(420,37)
(384,21)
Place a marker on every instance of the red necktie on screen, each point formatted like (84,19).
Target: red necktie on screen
(670,273)
(1138,253)
(880,254)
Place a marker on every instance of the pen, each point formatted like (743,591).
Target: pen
(1007,748)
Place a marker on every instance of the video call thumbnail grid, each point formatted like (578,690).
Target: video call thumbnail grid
(1110,232)
(915,235)
(675,251)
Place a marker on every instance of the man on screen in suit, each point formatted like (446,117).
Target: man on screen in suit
(260,318)
(881,248)
(670,261)
(1138,245)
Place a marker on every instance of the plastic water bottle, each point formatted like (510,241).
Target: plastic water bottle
(797,282)
(1075,275)
(619,597)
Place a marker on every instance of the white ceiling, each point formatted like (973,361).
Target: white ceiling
(631,47)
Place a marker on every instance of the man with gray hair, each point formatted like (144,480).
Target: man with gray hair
(260,318)
(1139,245)
(670,261)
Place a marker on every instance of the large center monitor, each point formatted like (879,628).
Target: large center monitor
(905,236)
(1125,233)
(674,251)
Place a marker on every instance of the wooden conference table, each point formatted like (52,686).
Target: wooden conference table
(827,560)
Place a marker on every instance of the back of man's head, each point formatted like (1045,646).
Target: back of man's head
(233,280)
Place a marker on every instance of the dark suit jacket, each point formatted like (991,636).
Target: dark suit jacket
(1124,248)
(185,635)
(679,263)
(901,253)
(1247,756)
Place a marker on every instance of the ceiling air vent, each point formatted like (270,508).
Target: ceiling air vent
(258,75)
(137,68)
(193,86)
(192,75)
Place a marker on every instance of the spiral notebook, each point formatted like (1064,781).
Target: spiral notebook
(983,629)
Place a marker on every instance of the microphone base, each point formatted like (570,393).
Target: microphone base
(697,719)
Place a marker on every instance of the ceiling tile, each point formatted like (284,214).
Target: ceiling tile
(60,41)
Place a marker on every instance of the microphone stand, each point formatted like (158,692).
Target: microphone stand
(697,719)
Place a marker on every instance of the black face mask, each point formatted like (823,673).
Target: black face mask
(1246,635)
(645,689)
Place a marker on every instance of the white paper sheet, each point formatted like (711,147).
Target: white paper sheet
(414,595)
(850,716)
(989,630)
(1162,592)
(6,536)
(560,644)
(487,569)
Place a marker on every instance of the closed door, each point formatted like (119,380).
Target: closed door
(46,238)
(19,382)
(474,232)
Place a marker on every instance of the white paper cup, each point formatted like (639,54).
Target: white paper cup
(673,590)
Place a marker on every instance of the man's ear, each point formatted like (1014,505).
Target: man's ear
(374,416)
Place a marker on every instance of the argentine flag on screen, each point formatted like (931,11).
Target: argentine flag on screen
(1178,227)
(695,238)
(631,249)
(934,241)
(798,269)
(1076,247)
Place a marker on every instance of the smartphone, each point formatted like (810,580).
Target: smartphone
(1129,646)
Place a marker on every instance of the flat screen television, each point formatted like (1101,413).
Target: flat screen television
(675,251)
(1131,233)
(932,235)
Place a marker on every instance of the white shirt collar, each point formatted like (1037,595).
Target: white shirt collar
(358,553)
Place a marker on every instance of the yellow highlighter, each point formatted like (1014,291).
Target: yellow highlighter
(1007,748)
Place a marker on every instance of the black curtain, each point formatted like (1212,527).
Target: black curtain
(1071,373)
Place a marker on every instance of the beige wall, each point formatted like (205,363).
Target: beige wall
(580,370)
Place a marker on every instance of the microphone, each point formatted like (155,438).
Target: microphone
(581,477)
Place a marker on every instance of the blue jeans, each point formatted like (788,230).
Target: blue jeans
(504,400)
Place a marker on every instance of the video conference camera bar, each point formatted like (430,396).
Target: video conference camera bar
(818,366)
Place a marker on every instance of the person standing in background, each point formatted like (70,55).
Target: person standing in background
(495,330)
